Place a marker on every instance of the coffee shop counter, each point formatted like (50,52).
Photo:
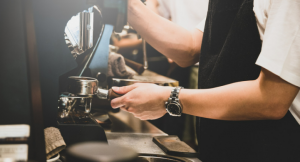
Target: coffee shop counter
(128,131)
(131,132)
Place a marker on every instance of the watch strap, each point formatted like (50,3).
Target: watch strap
(175,94)
(174,100)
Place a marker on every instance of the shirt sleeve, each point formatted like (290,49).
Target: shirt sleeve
(201,25)
(163,9)
(280,52)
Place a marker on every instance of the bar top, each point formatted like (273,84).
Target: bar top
(134,133)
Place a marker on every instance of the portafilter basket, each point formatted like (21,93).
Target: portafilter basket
(82,86)
(87,86)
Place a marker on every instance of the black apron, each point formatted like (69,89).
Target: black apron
(230,48)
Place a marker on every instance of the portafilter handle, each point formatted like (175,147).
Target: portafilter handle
(107,94)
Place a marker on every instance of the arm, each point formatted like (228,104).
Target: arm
(266,98)
(127,45)
(173,41)
(152,5)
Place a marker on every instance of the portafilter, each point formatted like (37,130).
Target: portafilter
(81,90)
(87,86)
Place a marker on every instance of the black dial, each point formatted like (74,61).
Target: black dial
(174,109)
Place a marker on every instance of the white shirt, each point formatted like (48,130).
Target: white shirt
(278,22)
(186,13)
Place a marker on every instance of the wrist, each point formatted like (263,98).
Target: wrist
(166,93)
(173,105)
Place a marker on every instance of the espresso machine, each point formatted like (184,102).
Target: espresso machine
(87,35)
(73,38)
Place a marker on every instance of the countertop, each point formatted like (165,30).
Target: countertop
(133,133)
(128,131)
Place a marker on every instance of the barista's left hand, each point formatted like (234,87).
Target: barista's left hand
(145,101)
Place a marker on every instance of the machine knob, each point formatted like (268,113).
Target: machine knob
(101,77)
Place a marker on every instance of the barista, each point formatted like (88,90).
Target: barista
(248,78)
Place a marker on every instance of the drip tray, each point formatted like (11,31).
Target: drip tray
(160,158)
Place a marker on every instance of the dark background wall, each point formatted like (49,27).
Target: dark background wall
(14,91)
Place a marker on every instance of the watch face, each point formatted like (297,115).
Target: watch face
(174,109)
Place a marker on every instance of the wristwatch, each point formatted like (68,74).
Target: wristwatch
(173,106)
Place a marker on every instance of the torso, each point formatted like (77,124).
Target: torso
(231,45)
(262,12)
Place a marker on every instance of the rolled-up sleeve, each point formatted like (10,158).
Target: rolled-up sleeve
(201,25)
(280,52)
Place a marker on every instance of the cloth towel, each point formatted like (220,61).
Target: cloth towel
(54,142)
(117,68)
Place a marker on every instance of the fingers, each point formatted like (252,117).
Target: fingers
(121,101)
(125,89)
(118,102)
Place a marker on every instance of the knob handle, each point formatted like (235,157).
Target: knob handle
(139,68)
(112,94)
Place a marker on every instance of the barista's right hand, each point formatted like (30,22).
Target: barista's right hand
(145,101)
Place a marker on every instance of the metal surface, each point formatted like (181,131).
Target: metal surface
(79,89)
(83,86)
(99,152)
(79,32)
(134,133)
(160,158)
(147,77)
(86,30)
(68,102)
(87,105)
(140,142)
(65,105)
(153,77)
(125,122)
(102,93)
(145,54)
(93,53)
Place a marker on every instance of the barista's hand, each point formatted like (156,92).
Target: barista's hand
(145,101)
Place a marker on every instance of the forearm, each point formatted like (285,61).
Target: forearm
(259,99)
(173,41)
(237,101)
(152,5)
(128,45)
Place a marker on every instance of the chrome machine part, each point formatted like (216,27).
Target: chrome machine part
(97,152)
(79,32)
(145,54)
(86,30)
(88,105)
(87,36)
(114,14)
(82,86)
(126,82)
(65,105)
(86,86)
(102,93)
(144,47)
